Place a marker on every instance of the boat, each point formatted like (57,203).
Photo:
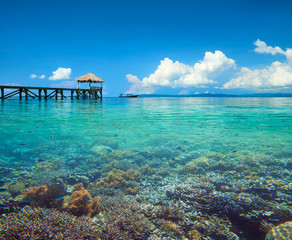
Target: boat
(128,95)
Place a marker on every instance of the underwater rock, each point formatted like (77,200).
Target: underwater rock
(280,232)
(99,150)
(105,142)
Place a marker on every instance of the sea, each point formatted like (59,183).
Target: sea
(240,146)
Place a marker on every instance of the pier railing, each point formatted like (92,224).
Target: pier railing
(49,92)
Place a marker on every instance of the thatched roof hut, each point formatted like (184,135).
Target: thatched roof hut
(90,78)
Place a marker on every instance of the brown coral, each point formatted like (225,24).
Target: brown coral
(81,202)
(49,166)
(131,191)
(44,196)
(118,178)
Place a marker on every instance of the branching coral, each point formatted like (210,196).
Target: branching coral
(124,219)
(37,223)
(81,202)
(170,212)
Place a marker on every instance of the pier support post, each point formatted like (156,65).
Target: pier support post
(2,93)
(20,93)
(46,94)
(40,94)
(56,95)
(26,93)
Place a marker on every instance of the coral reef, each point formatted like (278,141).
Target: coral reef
(280,232)
(115,156)
(170,212)
(44,196)
(49,166)
(40,223)
(81,202)
(117,178)
(124,219)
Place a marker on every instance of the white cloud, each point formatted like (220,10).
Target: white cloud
(61,73)
(275,77)
(202,72)
(176,74)
(137,86)
(36,76)
(263,48)
(65,84)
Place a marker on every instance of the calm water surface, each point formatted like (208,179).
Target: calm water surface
(34,129)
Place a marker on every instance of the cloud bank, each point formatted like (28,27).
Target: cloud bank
(60,74)
(180,75)
(275,77)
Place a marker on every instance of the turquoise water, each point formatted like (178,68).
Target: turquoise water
(221,166)
(36,129)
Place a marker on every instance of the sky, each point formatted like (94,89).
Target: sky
(149,47)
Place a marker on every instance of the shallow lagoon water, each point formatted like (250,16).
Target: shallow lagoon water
(168,134)
(252,124)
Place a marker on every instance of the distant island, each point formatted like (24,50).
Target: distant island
(221,95)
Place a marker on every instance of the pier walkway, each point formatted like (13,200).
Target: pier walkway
(49,92)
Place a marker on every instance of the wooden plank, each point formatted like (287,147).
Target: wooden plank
(11,94)
(32,93)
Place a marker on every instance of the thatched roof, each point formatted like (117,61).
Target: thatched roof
(89,77)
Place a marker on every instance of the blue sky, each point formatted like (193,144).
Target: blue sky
(160,46)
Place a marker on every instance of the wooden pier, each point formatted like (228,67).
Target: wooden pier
(49,93)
